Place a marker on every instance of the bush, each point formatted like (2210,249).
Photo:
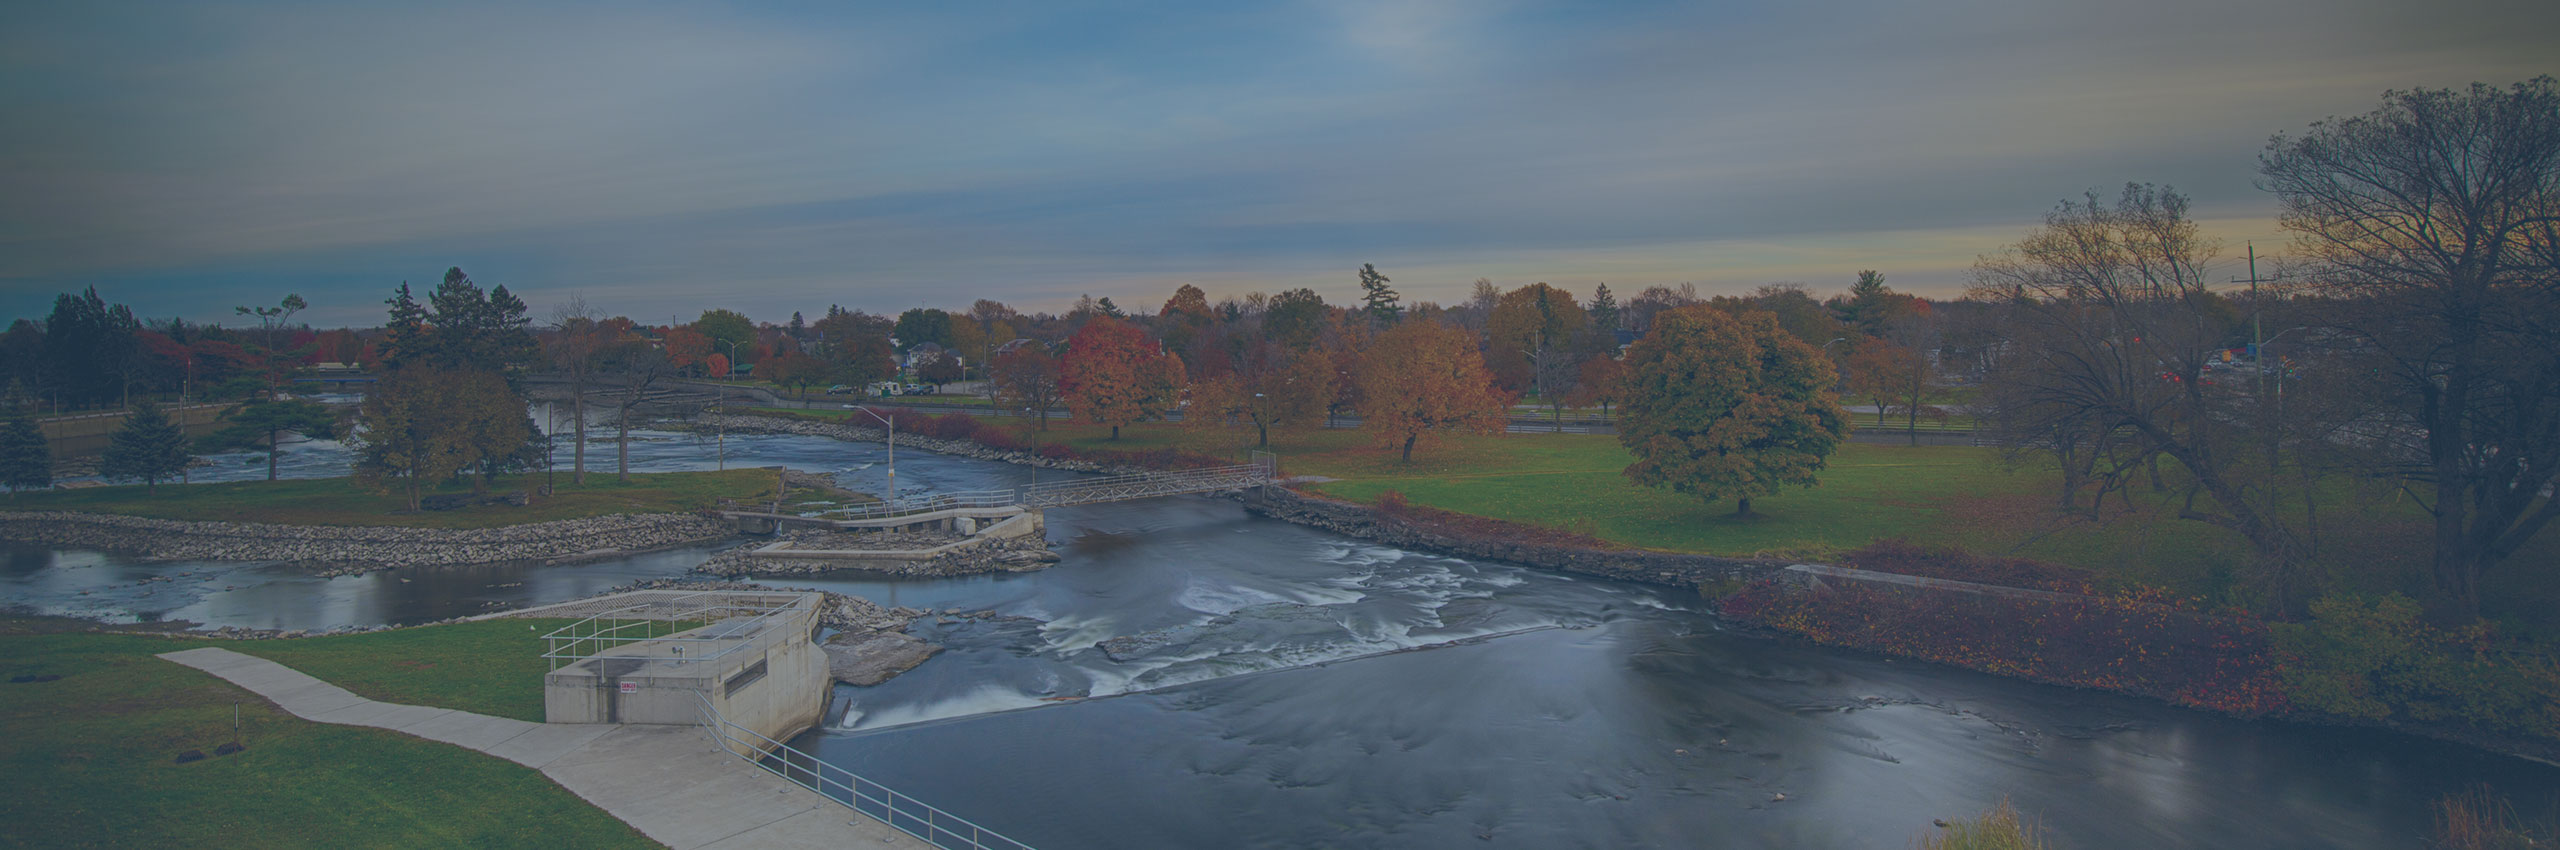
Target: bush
(1998,829)
(1392,503)
(2373,659)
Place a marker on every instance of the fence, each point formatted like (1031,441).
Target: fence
(901,812)
(767,616)
(1059,494)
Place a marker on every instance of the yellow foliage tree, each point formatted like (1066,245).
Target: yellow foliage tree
(1418,378)
(1728,407)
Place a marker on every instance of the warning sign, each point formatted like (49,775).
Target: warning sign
(630,687)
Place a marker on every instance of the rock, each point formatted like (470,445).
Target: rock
(228,749)
(866,660)
(190,755)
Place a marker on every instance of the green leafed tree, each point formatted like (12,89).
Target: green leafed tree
(1722,406)
(26,460)
(149,448)
(263,423)
(423,425)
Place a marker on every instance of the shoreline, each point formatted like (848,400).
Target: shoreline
(352,549)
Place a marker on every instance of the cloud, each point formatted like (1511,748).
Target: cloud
(887,157)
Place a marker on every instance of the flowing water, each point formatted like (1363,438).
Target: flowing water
(1194,676)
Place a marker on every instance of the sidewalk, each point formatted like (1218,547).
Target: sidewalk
(669,782)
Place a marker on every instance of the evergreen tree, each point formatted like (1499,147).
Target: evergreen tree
(1381,301)
(1604,312)
(26,460)
(149,447)
(404,336)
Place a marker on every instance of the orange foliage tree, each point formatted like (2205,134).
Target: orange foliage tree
(717,365)
(1114,375)
(1421,377)
(687,348)
(1274,385)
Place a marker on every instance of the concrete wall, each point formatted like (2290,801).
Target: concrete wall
(89,433)
(789,696)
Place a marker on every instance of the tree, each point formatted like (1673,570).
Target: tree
(576,340)
(472,329)
(404,335)
(1113,375)
(2435,220)
(264,422)
(1275,386)
(422,425)
(1727,407)
(717,364)
(1027,375)
(1294,317)
(796,370)
(149,447)
(2110,321)
(728,330)
(922,325)
(1378,299)
(1529,335)
(631,366)
(26,460)
(1604,312)
(1420,378)
(272,318)
(940,370)
(687,348)
(89,348)
(1603,382)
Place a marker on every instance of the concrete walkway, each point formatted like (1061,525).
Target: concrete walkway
(667,781)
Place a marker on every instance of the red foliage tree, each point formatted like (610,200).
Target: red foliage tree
(1114,375)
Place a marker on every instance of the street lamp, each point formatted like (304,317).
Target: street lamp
(733,357)
(892,421)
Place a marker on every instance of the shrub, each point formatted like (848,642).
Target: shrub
(1999,829)
(2479,819)
(1392,503)
(2373,659)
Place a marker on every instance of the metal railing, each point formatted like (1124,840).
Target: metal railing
(879,802)
(768,617)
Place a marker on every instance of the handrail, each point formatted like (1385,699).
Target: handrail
(1062,493)
(879,802)
(598,635)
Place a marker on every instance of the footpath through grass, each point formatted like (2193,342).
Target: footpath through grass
(343,501)
(89,761)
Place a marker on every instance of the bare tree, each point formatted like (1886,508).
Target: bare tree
(2109,324)
(2436,222)
(574,343)
(633,367)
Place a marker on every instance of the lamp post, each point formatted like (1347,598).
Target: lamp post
(733,357)
(890,420)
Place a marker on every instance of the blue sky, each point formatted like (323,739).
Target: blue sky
(662,158)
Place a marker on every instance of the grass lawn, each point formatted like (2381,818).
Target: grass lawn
(1932,495)
(492,667)
(342,501)
(89,761)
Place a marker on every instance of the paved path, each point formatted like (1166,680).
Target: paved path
(667,781)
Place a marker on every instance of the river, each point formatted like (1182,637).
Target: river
(1268,685)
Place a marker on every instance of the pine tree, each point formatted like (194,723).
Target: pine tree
(1381,301)
(1604,311)
(149,447)
(26,460)
(264,423)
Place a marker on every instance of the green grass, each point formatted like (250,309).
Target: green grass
(89,762)
(1933,495)
(343,501)
(492,667)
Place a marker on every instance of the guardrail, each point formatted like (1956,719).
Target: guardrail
(599,635)
(1056,494)
(879,802)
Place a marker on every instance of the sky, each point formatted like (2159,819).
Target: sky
(658,159)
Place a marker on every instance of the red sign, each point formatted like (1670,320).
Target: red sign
(630,687)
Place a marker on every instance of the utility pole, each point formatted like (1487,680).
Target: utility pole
(2258,351)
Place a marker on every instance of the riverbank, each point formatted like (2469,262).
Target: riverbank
(344,501)
(342,550)
(2203,663)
